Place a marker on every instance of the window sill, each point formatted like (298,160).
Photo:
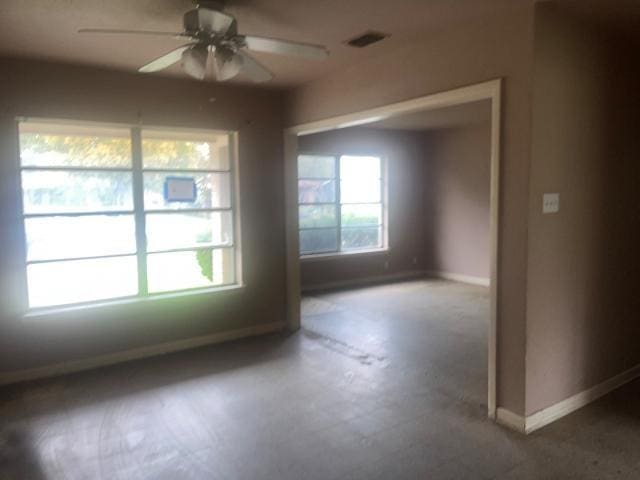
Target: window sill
(319,257)
(131,301)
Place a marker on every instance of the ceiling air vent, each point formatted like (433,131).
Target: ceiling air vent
(366,39)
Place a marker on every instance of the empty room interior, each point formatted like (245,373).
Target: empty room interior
(270,239)
(403,281)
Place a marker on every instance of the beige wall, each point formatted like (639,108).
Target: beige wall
(438,188)
(468,53)
(458,206)
(57,91)
(584,262)
(404,152)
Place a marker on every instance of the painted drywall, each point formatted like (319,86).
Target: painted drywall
(39,89)
(438,185)
(404,154)
(584,264)
(458,210)
(473,51)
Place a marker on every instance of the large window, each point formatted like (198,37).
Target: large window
(113,212)
(341,205)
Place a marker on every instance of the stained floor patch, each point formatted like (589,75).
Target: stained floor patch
(344,348)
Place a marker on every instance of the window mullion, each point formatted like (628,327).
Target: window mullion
(234,185)
(138,206)
(338,199)
(383,202)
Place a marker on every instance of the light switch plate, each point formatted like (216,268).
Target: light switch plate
(550,203)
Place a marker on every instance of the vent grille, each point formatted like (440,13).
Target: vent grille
(366,39)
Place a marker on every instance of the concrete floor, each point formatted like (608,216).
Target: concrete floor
(387,382)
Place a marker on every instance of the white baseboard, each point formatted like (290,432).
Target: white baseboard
(544,417)
(363,281)
(137,353)
(511,420)
(571,404)
(458,277)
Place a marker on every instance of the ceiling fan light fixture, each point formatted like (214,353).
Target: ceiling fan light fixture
(227,64)
(194,61)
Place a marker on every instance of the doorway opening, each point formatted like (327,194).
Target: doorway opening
(341,210)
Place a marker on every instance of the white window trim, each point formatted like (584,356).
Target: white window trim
(193,294)
(319,257)
(143,296)
(332,255)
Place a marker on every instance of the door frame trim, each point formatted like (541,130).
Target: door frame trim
(490,90)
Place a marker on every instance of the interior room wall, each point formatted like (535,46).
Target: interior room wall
(405,156)
(458,207)
(473,51)
(40,89)
(584,262)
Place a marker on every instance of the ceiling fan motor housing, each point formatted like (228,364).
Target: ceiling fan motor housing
(211,4)
(203,21)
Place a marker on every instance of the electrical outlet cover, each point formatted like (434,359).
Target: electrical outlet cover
(551,203)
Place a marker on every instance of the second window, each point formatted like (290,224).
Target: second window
(340,203)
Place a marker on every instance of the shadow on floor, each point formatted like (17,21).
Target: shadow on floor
(18,457)
(137,376)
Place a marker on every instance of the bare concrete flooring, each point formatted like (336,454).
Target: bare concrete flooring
(387,382)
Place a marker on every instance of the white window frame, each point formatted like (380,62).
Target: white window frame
(139,212)
(338,206)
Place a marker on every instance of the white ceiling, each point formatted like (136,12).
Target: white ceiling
(47,29)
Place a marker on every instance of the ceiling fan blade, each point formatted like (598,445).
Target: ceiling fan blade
(165,60)
(212,21)
(252,69)
(227,65)
(285,47)
(130,32)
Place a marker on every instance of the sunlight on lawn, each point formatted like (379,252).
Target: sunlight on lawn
(75,281)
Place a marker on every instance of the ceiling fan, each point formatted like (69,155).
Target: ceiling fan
(210,31)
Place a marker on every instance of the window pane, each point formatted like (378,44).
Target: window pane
(166,231)
(184,150)
(358,167)
(312,166)
(75,281)
(365,237)
(53,238)
(310,216)
(361,215)
(318,241)
(193,269)
(316,191)
(213,191)
(360,190)
(50,145)
(46,191)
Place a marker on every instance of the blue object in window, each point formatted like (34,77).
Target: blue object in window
(180,189)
